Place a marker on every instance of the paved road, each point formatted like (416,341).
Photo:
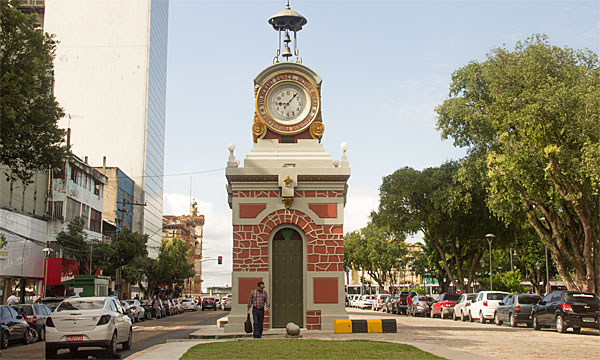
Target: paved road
(145,334)
(500,342)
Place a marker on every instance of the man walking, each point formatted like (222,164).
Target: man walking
(258,303)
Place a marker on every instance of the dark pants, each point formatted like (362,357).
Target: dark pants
(258,315)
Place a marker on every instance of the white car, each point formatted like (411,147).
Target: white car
(189,304)
(88,322)
(461,309)
(138,309)
(367,301)
(484,306)
(354,300)
(379,301)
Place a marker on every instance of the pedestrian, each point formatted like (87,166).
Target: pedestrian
(258,303)
(409,302)
(12,299)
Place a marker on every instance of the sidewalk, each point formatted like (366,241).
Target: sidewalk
(174,349)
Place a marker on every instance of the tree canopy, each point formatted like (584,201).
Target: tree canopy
(532,117)
(30,139)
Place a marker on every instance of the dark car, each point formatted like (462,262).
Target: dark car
(421,305)
(51,302)
(400,303)
(209,303)
(16,327)
(567,309)
(516,309)
(35,315)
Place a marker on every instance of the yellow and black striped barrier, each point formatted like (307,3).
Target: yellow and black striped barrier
(365,326)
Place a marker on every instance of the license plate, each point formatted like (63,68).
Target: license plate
(75,338)
(588,320)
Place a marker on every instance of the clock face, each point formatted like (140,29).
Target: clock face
(287,102)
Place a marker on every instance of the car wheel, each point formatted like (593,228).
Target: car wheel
(3,340)
(471,317)
(26,337)
(50,352)
(454,318)
(497,320)
(481,318)
(127,344)
(111,350)
(560,324)
(513,320)
(576,330)
(42,334)
(462,316)
(432,314)
(536,324)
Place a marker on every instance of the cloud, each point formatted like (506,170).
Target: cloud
(361,201)
(218,236)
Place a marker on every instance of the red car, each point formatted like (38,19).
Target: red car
(444,305)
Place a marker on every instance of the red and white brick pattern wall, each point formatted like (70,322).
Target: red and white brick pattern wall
(325,243)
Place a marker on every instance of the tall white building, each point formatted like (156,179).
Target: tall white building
(110,73)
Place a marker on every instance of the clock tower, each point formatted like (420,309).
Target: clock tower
(288,198)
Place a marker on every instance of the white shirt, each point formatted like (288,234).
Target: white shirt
(12,300)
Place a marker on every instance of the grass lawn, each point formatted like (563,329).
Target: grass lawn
(305,349)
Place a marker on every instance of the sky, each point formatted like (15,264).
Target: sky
(385,66)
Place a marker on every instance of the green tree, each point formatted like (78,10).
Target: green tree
(30,139)
(451,213)
(128,249)
(86,252)
(373,250)
(532,115)
(171,267)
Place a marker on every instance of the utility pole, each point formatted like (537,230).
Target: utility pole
(490,238)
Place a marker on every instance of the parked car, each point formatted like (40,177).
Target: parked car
(353,300)
(129,311)
(379,301)
(485,304)
(88,322)
(15,328)
(567,309)
(139,312)
(421,305)
(388,304)
(461,308)
(189,304)
(149,312)
(399,304)
(368,301)
(178,306)
(444,305)
(209,303)
(51,302)
(226,303)
(163,308)
(170,307)
(218,303)
(516,309)
(35,315)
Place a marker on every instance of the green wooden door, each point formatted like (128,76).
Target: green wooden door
(287,279)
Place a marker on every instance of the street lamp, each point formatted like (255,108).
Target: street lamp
(46,252)
(490,238)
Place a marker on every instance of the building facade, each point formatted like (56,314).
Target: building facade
(119,203)
(189,228)
(288,199)
(110,77)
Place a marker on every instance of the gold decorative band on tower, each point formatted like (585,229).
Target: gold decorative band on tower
(258,129)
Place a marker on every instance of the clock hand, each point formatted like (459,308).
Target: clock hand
(291,100)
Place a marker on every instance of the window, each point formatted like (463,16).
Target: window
(55,209)
(85,215)
(97,187)
(96,221)
(73,209)
(113,307)
(74,172)
(80,304)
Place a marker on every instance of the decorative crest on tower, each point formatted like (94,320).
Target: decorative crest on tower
(286,21)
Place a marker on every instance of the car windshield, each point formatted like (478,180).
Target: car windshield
(496,296)
(471,296)
(581,298)
(451,297)
(80,304)
(529,299)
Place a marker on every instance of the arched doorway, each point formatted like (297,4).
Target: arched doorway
(287,278)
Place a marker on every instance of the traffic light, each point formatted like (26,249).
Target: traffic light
(220,260)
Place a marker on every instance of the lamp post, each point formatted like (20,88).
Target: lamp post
(538,266)
(490,238)
(482,262)
(46,252)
